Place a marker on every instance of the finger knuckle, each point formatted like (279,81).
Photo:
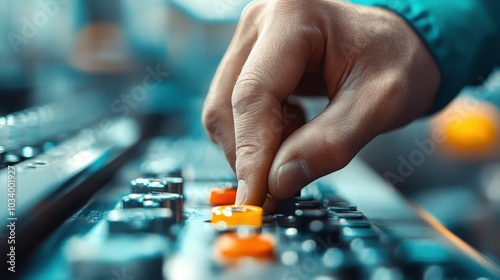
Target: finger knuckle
(212,118)
(295,10)
(247,96)
(246,150)
(252,11)
(288,6)
(245,154)
(297,20)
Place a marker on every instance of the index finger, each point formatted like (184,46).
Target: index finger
(271,73)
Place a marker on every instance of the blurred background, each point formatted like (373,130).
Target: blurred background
(64,64)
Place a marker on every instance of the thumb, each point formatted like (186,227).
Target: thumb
(324,145)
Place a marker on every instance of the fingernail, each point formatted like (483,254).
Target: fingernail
(241,193)
(293,176)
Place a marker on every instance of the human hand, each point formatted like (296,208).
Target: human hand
(372,66)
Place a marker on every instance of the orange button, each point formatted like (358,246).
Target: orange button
(237,215)
(231,247)
(223,196)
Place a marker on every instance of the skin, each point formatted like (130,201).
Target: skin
(371,65)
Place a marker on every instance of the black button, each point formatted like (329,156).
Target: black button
(285,207)
(342,207)
(306,220)
(285,221)
(140,220)
(154,185)
(133,200)
(269,221)
(171,201)
(347,215)
(175,172)
(308,205)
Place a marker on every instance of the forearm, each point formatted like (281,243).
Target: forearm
(463,37)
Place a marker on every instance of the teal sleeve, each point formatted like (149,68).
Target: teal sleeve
(462,35)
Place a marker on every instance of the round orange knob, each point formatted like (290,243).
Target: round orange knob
(231,247)
(223,196)
(237,215)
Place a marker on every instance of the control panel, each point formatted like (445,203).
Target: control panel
(167,219)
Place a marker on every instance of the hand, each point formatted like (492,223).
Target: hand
(372,66)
